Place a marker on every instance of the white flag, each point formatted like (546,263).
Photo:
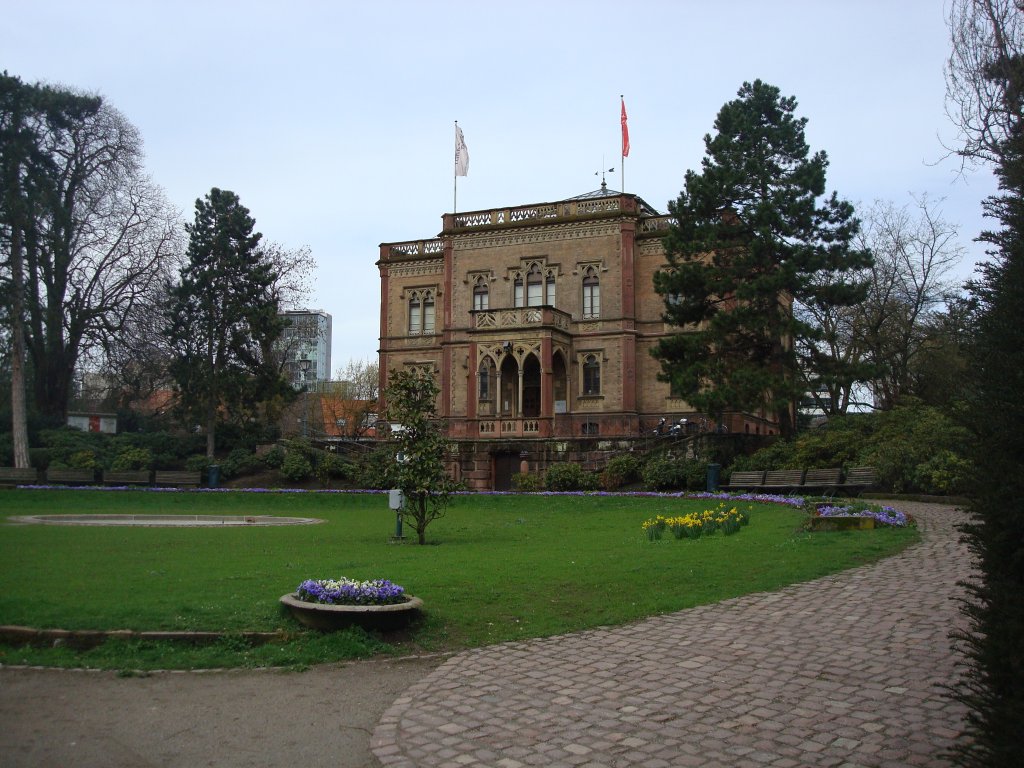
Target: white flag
(461,154)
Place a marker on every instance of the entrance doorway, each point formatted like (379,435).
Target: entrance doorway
(505,465)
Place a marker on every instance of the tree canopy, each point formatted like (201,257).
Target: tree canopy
(222,318)
(753,236)
(87,236)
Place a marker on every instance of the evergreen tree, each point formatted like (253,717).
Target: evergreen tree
(985,98)
(420,472)
(222,318)
(994,686)
(751,240)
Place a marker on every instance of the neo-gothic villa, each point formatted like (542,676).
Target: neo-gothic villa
(538,322)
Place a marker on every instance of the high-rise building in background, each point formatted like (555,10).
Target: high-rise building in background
(305,346)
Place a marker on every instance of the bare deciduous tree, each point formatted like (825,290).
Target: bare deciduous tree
(914,249)
(986,35)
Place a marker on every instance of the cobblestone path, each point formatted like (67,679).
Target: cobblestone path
(849,670)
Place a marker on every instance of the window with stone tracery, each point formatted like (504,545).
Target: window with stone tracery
(421,312)
(535,287)
(481,294)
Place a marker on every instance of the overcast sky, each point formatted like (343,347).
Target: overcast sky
(334,121)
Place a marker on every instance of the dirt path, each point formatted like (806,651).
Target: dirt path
(321,717)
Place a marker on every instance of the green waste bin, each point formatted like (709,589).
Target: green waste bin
(714,474)
(213,476)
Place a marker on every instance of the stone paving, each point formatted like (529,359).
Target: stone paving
(849,670)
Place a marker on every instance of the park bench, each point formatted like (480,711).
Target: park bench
(71,476)
(858,479)
(127,477)
(783,479)
(177,477)
(822,480)
(745,480)
(18,476)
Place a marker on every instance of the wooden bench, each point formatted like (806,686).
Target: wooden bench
(18,476)
(783,479)
(858,479)
(745,480)
(178,478)
(127,477)
(71,476)
(822,480)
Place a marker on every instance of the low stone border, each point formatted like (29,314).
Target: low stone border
(191,521)
(83,639)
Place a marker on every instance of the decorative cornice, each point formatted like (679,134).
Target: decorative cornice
(417,269)
(533,235)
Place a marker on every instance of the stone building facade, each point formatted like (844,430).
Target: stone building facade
(538,322)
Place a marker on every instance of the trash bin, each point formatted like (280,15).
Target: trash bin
(213,476)
(714,473)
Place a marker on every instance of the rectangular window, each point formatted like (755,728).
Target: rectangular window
(517,297)
(533,296)
(428,316)
(414,318)
(590,428)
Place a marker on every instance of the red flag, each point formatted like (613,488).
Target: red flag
(625,131)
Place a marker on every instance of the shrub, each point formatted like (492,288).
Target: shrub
(526,483)
(374,470)
(240,462)
(197,463)
(328,467)
(619,471)
(83,460)
(663,473)
(944,473)
(133,459)
(295,467)
(570,477)
(274,457)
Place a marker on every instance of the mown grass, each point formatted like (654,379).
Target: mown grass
(497,568)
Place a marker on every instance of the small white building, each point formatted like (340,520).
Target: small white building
(93,422)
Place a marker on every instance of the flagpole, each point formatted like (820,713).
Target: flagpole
(622,164)
(455,174)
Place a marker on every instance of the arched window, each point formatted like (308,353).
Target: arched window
(415,315)
(591,375)
(591,294)
(549,287)
(481,296)
(534,287)
(487,374)
(518,299)
(428,312)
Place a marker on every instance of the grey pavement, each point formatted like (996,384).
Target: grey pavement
(850,670)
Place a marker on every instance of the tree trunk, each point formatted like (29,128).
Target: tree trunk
(19,409)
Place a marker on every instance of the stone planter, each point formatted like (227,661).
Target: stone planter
(328,618)
(842,523)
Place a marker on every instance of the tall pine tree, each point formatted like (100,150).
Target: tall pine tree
(751,240)
(223,318)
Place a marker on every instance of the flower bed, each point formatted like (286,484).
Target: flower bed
(856,515)
(697,524)
(346,591)
(331,604)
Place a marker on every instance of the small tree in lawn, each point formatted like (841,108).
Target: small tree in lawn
(420,473)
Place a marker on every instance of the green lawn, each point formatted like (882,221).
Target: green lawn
(497,568)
